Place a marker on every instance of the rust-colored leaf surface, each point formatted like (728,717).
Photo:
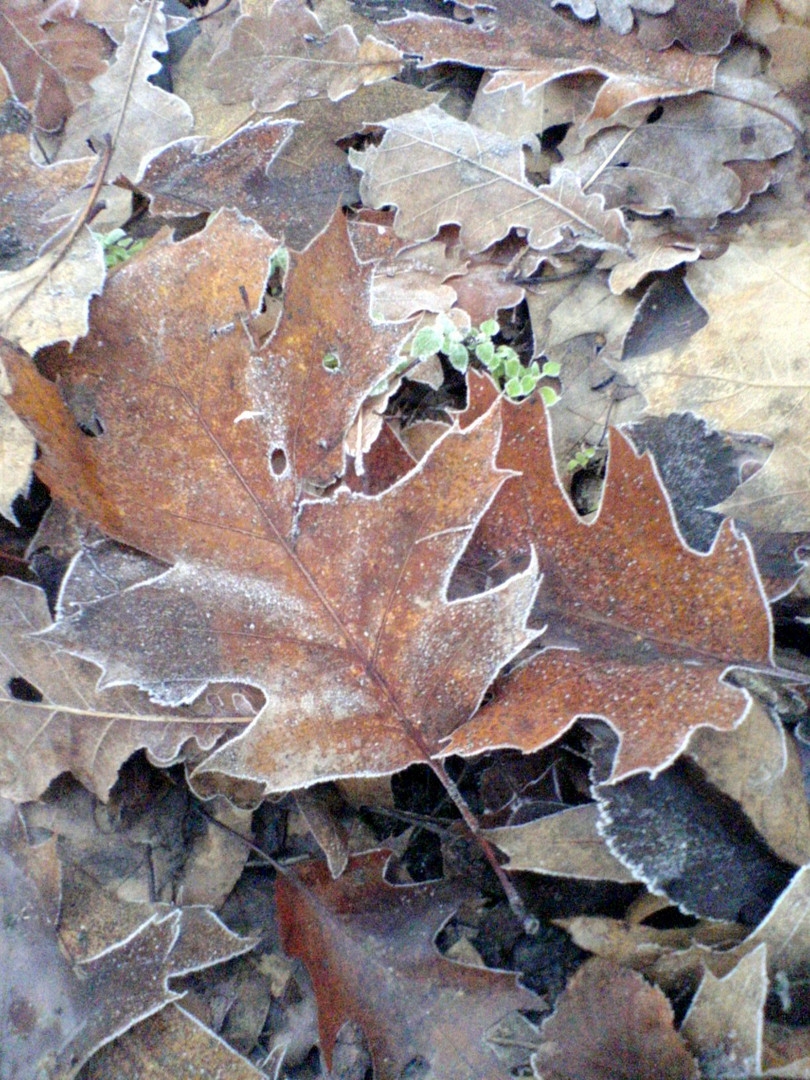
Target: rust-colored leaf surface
(639,629)
(610,1022)
(368,947)
(335,608)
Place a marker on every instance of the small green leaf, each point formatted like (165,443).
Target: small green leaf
(458,356)
(527,383)
(490,328)
(512,388)
(485,352)
(512,367)
(331,362)
(549,396)
(551,368)
(427,342)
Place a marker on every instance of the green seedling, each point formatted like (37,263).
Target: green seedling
(501,361)
(118,247)
(581,458)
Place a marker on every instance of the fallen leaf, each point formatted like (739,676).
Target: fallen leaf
(758,766)
(617,14)
(49,62)
(723,1027)
(611,1023)
(476,179)
(745,370)
(702,26)
(679,161)
(285,57)
(567,843)
(368,947)
(53,719)
(48,300)
(531,44)
(135,114)
(17,449)
(358,673)
(55,1015)
(167,1044)
(288,174)
(688,842)
(637,627)
(30,212)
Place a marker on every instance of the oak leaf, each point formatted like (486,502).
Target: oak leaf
(746,370)
(617,14)
(336,608)
(438,170)
(639,628)
(136,115)
(530,44)
(49,62)
(368,947)
(285,57)
(679,162)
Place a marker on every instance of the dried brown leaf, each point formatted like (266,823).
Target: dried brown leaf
(285,57)
(369,949)
(438,170)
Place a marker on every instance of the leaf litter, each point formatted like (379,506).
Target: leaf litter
(299,598)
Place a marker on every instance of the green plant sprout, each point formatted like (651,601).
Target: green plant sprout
(501,361)
(581,458)
(118,247)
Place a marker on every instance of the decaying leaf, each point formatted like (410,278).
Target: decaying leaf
(617,14)
(136,115)
(438,170)
(723,1027)
(355,669)
(610,1022)
(288,174)
(368,947)
(637,624)
(531,44)
(49,61)
(53,719)
(746,369)
(56,1014)
(567,843)
(17,448)
(679,161)
(285,57)
(48,300)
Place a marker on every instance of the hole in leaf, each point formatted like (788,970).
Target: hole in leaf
(656,114)
(22,690)
(416,1069)
(278,462)
(331,362)
(93,428)
(553,136)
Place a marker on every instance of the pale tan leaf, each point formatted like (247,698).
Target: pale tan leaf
(438,170)
(285,57)
(567,844)
(747,370)
(136,115)
(17,448)
(48,300)
(723,1027)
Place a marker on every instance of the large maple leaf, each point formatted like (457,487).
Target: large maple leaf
(336,608)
